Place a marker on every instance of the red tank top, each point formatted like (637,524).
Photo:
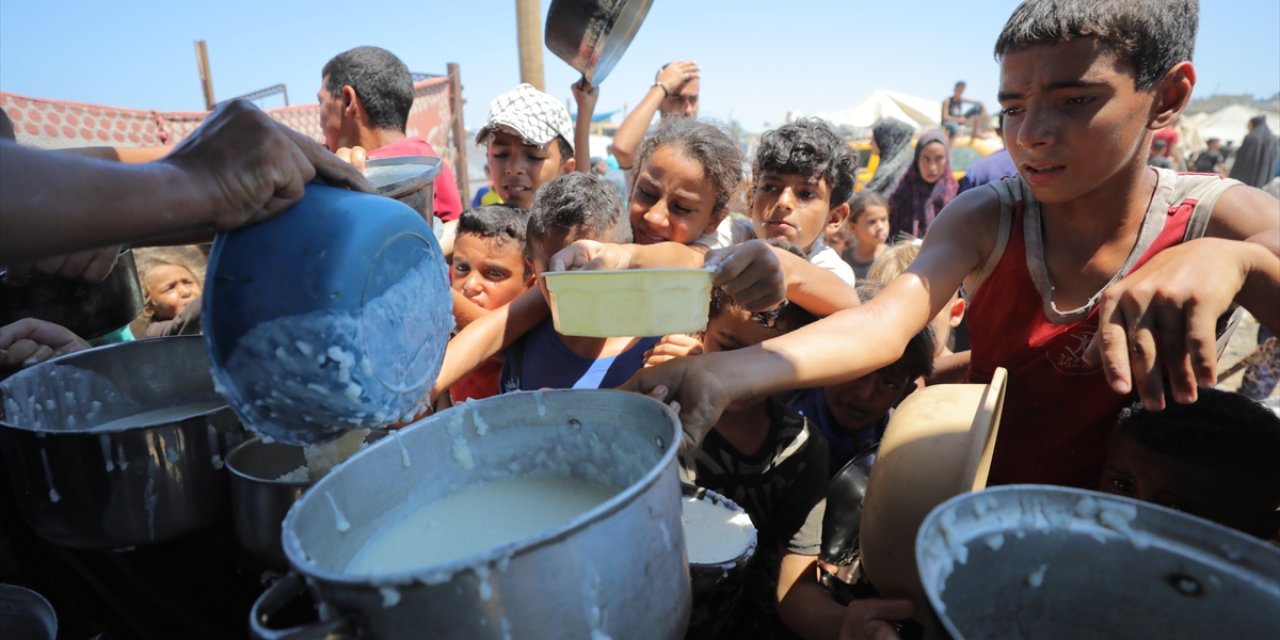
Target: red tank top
(1058,411)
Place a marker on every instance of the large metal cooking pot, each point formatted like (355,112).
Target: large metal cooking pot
(88,310)
(26,615)
(1030,561)
(592,35)
(81,482)
(259,500)
(617,571)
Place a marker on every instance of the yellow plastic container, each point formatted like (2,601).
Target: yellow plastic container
(633,302)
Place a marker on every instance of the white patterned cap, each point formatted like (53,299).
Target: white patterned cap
(531,114)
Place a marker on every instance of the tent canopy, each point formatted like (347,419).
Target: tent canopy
(1231,123)
(920,113)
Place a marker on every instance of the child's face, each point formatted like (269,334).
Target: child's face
(933,161)
(733,328)
(540,252)
(872,227)
(672,201)
(859,403)
(488,271)
(1074,118)
(518,169)
(171,289)
(1208,491)
(794,208)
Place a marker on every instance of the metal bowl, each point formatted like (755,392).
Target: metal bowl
(592,35)
(409,179)
(259,500)
(26,615)
(82,482)
(330,316)
(1030,561)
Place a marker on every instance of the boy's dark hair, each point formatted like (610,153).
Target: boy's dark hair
(379,78)
(808,147)
(1221,429)
(1153,35)
(708,145)
(917,358)
(580,203)
(863,200)
(495,221)
(1258,120)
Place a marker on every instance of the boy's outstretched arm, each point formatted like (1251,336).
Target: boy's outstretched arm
(1161,320)
(585,94)
(627,139)
(488,335)
(843,346)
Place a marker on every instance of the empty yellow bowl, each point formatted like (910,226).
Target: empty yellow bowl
(632,302)
(938,445)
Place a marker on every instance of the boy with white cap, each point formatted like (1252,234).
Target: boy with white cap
(530,139)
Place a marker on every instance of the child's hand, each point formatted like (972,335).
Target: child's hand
(872,619)
(30,341)
(585,95)
(589,255)
(751,274)
(672,346)
(1162,318)
(678,74)
(699,392)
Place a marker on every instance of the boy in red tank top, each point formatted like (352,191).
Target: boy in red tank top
(1093,276)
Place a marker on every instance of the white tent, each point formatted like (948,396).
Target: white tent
(920,113)
(1231,123)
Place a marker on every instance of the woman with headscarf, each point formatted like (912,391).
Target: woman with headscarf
(925,188)
(1256,157)
(892,139)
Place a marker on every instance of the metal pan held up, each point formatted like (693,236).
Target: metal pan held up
(592,35)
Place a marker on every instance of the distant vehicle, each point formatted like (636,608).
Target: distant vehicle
(965,151)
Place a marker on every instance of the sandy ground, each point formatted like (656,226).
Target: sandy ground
(1243,342)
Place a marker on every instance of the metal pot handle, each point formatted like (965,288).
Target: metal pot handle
(274,599)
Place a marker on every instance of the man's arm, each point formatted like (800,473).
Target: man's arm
(236,168)
(627,139)
(586,95)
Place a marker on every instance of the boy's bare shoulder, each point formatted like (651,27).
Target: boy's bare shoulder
(1243,211)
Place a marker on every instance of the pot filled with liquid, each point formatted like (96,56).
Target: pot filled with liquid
(541,514)
(119,446)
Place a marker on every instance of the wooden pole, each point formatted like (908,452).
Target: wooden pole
(206,78)
(529,41)
(460,140)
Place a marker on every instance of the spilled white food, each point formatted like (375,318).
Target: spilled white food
(162,415)
(355,368)
(473,520)
(713,532)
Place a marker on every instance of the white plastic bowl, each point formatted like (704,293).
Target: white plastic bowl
(633,302)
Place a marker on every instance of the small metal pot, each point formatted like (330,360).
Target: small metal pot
(259,501)
(1031,561)
(81,483)
(717,587)
(617,570)
(409,179)
(88,310)
(592,35)
(26,615)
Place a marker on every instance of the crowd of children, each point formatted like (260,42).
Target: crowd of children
(1094,279)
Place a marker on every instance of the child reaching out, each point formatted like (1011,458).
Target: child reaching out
(489,270)
(1215,459)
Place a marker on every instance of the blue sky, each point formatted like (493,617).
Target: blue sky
(759,59)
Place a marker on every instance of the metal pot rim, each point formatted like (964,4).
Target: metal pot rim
(231,466)
(40,369)
(303,564)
